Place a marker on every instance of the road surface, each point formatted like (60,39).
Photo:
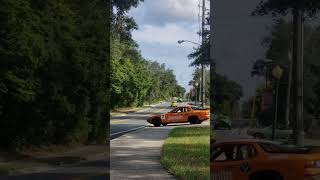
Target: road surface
(133,121)
(95,168)
(238,131)
(136,155)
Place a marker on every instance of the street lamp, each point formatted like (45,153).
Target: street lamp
(196,84)
(277,74)
(182,41)
(202,73)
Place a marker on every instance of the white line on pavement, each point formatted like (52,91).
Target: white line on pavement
(122,132)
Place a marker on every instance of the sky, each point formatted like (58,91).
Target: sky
(237,37)
(237,42)
(161,24)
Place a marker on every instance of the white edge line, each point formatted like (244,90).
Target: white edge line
(140,127)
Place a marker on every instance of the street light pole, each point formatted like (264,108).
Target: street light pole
(196,89)
(298,75)
(202,64)
(277,73)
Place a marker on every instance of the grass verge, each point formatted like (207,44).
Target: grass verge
(186,153)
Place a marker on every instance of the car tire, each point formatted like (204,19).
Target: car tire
(164,124)
(156,123)
(258,136)
(193,120)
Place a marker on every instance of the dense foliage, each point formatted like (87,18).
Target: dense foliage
(134,79)
(277,44)
(201,55)
(283,7)
(54,72)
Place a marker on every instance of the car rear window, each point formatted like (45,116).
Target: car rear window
(282,148)
(198,108)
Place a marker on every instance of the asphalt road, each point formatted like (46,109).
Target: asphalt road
(238,131)
(136,155)
(96,167)
(132,121)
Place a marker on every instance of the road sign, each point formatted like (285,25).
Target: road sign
(267,98)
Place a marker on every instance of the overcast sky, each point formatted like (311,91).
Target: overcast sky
(237,36)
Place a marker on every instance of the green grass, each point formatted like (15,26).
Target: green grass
(186,153)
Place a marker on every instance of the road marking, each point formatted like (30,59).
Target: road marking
(123,132)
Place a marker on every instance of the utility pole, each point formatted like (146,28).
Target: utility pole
(202,64)
(196,96)
(275,120)
(212,73)
(298,73)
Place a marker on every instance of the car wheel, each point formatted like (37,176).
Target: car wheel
(193,120)
(164,124)
(258,136)
(156,123)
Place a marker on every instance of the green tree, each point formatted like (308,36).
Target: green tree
(54,72)
(282,7)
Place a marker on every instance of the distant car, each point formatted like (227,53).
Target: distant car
(181,114)
(253,159)
(174,104)
(222,122)
(266,132)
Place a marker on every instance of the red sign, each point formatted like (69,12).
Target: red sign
(267,99)
(193,92)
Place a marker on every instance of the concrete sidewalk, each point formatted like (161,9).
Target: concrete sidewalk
(136,155)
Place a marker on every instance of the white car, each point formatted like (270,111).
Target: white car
(266,132)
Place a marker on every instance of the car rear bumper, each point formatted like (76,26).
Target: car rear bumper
(312,174)
(312,178)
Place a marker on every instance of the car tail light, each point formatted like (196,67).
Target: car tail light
(313,164)
(312,169)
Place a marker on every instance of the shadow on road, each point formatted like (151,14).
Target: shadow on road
(87,170)
(58,176)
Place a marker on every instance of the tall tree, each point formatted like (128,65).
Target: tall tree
(54,72)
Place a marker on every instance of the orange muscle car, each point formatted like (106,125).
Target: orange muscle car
(249,159)
(181,114)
